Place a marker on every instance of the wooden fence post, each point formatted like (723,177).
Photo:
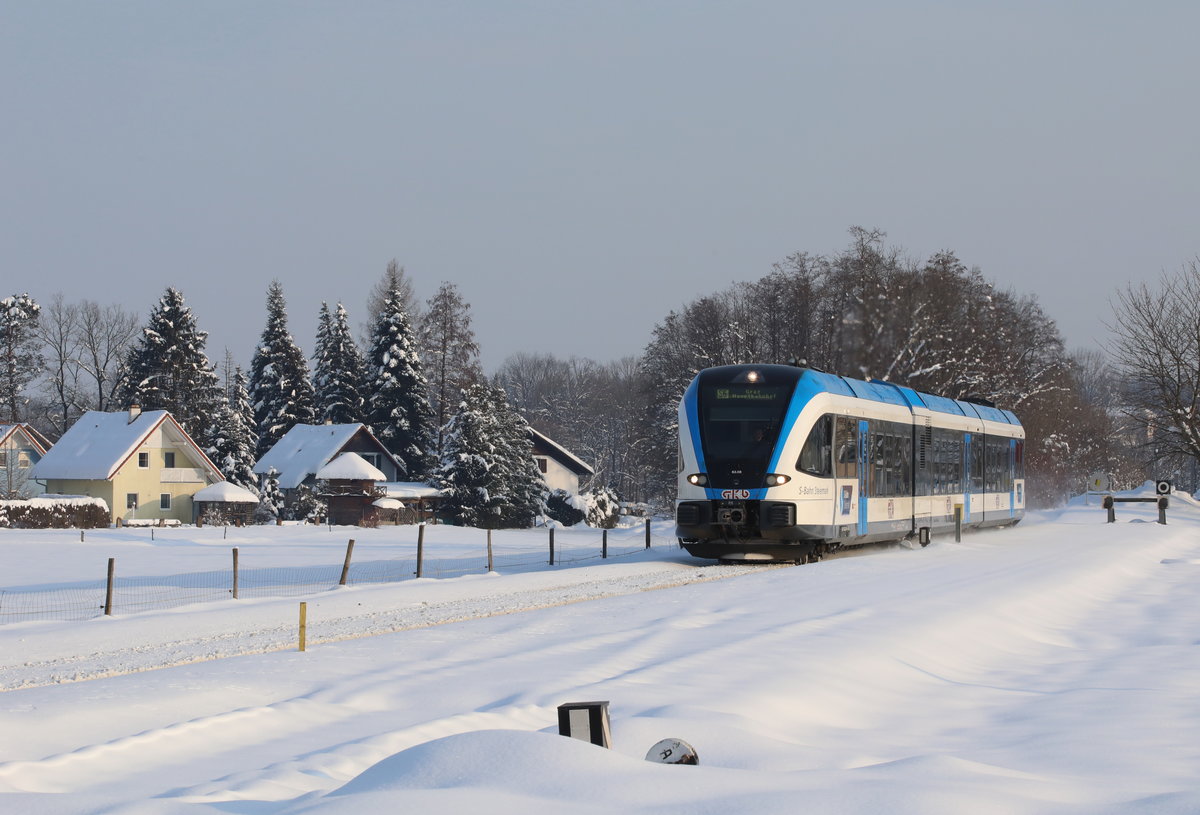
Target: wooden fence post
(108,594)
(235,573)
(603,544)
(647,533)
(489,545)
(346,565)
(420,547)
(303,625)
(551,546)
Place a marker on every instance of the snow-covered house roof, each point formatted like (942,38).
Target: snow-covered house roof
(410,490)
(350,467)
(306,448)
(544,445)
(96,446)
(22,435)
(226,492)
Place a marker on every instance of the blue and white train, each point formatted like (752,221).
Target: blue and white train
(784,463)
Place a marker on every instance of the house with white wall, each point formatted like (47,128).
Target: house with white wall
(560,468)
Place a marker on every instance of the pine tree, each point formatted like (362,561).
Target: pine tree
(168,369)
(449,352)
(469,493)
(603,508)
(392,280)
(280,389)
(488,476)
(521,482)
(338,370)
(20,352)
(398,403)
(270,500)
(234,443)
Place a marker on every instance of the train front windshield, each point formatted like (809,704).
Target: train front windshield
(739,425)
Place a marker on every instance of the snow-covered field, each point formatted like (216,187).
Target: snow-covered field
(1051,668)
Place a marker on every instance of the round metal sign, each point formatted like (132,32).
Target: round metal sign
(673,751)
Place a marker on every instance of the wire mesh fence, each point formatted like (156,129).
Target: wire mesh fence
(501,551)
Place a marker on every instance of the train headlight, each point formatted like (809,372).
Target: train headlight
(775,480)
(699,479)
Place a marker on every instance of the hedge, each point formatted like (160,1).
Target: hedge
(54,513)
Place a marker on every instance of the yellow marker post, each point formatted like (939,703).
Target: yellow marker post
(303,624)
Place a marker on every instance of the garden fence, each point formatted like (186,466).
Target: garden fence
(126,595)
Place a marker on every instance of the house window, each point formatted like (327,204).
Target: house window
(543,464)
(143,460)
(372,459)
(169,459)
(23,460)
(164,500)
(131,500)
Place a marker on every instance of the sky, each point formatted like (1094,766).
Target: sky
(1047,669)
(580,169)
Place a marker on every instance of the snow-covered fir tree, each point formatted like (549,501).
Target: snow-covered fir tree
(20,352)
(234,439)
(603,508)
(270,498)
(280,390)
(168,369)
(398,408)
(488,476)
(524,487)
(564,507)
(338,369)
(449,352)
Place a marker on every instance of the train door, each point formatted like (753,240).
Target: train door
(863,470)
(845,471)
(1012,478)
(967,481)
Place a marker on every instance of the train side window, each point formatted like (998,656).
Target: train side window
(879,462)
(846,440)
(816,457)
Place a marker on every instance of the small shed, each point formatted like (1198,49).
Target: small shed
(348,488)
(224,502)
(418,502)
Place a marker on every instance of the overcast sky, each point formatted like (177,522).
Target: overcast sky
(580,169)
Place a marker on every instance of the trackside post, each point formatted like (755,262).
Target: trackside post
(108,593)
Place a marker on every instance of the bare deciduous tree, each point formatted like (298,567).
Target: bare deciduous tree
(105,334)
(1156,346)
(58,330)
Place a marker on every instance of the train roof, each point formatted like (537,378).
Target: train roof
(876,390)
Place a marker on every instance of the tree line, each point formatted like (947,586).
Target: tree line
(868,311)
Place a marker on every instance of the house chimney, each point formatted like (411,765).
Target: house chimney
(134,412)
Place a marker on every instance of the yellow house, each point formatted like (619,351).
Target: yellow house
(143,464)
